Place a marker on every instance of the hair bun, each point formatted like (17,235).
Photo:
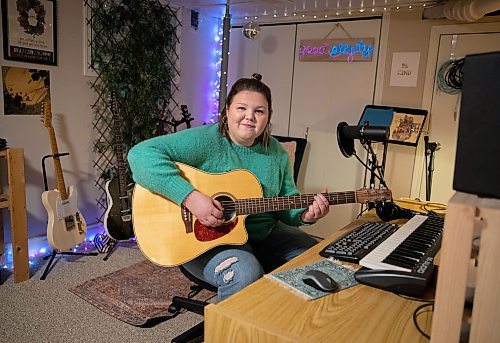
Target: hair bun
(257,76)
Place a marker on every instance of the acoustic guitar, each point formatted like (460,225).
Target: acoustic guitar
(118,215)
(170,235)
(66,226)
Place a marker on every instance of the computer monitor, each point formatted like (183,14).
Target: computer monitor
(405,124)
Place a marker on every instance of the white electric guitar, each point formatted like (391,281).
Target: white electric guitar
(66,226)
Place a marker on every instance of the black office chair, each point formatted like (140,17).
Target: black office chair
(197,306)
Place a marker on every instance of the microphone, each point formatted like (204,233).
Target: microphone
(347,134)
(365,132)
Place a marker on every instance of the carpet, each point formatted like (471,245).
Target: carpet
(139,294)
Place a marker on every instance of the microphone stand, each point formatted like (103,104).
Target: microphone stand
(374,166)
(430,149)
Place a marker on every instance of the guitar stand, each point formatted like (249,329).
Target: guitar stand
(54,253)
(112,245)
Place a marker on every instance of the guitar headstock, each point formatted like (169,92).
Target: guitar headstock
(365,195)
(46,114)
(113,103)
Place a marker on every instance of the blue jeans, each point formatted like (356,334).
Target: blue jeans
(230,268)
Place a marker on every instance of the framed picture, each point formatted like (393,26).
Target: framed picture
(24,90)
(29,31)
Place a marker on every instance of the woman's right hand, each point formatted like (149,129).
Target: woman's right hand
(207,210)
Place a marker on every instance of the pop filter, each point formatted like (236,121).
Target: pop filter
(346,145)
(346,135)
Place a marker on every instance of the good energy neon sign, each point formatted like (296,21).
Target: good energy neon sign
(336,50)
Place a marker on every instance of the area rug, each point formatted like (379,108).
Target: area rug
(138,295)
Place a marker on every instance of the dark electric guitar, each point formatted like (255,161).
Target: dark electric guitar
(118,216)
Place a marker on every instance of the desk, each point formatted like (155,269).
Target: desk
(267,312)
(15,202)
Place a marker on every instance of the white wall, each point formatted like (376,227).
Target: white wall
(198,65)
(72,119)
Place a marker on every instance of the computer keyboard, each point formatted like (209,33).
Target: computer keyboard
(356,244)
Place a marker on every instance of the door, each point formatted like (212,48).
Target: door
(445,108)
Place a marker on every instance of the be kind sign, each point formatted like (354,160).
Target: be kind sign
(336,50)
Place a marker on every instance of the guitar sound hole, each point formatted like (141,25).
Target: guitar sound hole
(229,207)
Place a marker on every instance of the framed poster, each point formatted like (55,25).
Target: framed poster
(29,31)
(24,90)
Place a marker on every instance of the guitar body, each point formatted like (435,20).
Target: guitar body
(66,226)
(158,222)
(118,221)
(170,235)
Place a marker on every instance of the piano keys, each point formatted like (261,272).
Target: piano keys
(410,248)
(404,262)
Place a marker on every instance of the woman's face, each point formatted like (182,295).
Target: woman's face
(247,117)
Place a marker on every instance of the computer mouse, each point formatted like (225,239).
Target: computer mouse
(320,280)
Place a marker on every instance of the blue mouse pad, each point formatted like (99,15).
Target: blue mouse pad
(292,278)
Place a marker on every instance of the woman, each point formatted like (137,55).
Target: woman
(241,140)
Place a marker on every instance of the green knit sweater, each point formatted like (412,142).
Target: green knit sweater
(203,147)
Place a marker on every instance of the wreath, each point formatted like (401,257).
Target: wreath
(23,8)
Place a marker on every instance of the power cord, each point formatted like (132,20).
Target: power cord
(415,315)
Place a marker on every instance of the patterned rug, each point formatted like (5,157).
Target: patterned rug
(138,295)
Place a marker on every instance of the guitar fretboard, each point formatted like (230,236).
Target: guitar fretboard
(47,118)
(261,205)
(118,145)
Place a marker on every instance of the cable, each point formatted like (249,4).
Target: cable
(364,165)
(414,299)
(450,76)
(415,314)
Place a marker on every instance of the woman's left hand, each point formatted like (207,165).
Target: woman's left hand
(318,209)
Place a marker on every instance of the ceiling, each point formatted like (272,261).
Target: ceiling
(273,10)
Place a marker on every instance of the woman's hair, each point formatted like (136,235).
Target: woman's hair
(253,84)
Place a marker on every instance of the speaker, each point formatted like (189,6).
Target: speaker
(477,162)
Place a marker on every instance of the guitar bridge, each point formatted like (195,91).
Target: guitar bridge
(187,218)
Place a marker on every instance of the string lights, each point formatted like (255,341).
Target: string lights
(339,11)
(214,118)
(39,248)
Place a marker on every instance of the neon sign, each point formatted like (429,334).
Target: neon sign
(336,50)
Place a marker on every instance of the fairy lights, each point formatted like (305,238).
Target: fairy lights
(350,10)
(214,117)
(39,248)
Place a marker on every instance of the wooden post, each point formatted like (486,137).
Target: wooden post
(464,213)
(15,201)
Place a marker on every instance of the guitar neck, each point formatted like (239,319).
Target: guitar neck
(262,205)
(122,182)
(61,187)
(121,164)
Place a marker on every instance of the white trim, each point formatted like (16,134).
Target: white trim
(430,77)
(382,53)
(87,49)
